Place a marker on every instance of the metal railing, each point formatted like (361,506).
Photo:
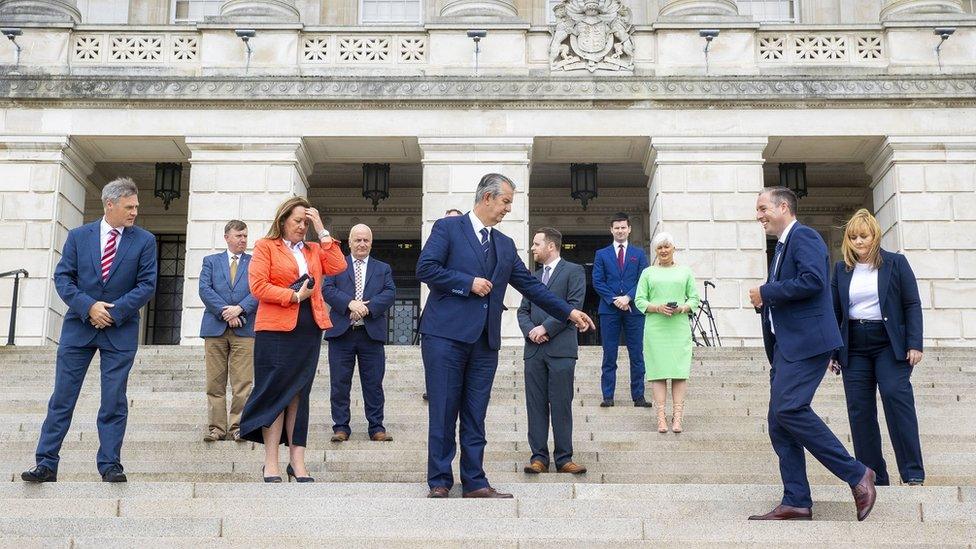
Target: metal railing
(17,273)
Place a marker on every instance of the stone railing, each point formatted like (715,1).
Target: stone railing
(821,48)
(372,48)
(135,48)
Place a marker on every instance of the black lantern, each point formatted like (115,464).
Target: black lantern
(376,182)
(794,178)
(583,182)
(168,176)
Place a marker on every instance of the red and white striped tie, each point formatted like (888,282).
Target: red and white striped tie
(109,254)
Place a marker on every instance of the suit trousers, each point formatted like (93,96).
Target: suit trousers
(549,396)
(228,356)
(873,367)
(72,366)
(793,426)
(633,327)
(343,354)
(459,378)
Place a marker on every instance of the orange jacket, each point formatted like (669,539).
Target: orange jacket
(273,269)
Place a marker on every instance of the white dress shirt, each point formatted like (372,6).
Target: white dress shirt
(782,239)
(296,252)
(105,229)
(865,304)
(552,266)
(478,225)
(230,258)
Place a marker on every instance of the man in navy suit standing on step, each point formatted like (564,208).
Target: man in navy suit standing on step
(468,265)
(106,274)
(358,301)
(800,333)
(616,270)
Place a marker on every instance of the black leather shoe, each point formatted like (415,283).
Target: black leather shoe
(607,402)
(274,479)
(642,404)
(114,474)
(291,475)
(39,474)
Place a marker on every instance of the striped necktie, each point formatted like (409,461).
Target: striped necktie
(484,241)
(545,275)
(109,254)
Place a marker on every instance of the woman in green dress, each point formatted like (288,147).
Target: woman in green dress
(666,293)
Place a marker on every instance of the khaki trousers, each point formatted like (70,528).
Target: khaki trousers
(230,356)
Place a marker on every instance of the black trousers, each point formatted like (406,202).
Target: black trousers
(873,367)
(549,396)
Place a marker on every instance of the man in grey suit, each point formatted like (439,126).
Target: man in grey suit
(550,357)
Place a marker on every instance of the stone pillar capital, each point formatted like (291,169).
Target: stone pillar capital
(47,148)
(698,10)
(920,149)
(260,150)
(450,150)
(706,150)
(39,11)
(919,9)
(260,11)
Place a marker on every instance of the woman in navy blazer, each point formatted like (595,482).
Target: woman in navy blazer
(880,316)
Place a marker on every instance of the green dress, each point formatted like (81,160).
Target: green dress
(667,340)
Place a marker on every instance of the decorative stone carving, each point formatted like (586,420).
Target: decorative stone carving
(698,10)
(260,11)
(592,35)
(919,9)
(39,11)
(834,48)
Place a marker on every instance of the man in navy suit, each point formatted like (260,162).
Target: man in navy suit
(359,299)
(227,330)
(468,265)
(800,334)
(616,270)
(106,274)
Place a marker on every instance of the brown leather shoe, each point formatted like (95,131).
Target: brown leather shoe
(785,512)
(865,494)
(381,437)
(572,468)
(438,492)
(488,492)
(214,435)
(535,467)
(340,436)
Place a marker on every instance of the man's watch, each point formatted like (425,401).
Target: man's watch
(324,233)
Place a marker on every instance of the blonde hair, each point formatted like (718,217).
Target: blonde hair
(861,222)
(281,215)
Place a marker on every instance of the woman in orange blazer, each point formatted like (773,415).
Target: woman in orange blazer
(288,332)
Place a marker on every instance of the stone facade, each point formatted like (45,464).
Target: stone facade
(880,120)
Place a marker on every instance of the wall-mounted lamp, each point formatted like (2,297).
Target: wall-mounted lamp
(943,33)
(12,34)
(708,35)
(246,35)
(477,35)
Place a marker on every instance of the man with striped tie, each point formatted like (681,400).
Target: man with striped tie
(106,274)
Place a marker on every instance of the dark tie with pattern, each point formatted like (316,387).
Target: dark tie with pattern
(776,259)
(545,275)
(484,241)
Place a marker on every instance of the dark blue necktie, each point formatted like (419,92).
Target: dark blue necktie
(484,240)
(776,259)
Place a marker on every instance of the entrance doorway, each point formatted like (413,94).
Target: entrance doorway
(582,249)
(165,310)
(403,319)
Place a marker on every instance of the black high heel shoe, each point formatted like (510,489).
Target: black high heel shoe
(271,479)
(291,475)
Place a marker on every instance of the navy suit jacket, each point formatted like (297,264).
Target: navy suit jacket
(610,282)
(217,292)
(799,298)
(901,307)
(568,281)
(378,289)
(449,262)
(131,283)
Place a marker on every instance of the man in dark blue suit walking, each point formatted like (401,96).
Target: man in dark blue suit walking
(616,270)
(468,265)
(359,299)
(799,334)
(106,274)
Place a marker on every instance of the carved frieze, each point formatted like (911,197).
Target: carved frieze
(592,35)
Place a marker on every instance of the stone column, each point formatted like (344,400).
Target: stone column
(234,178)
(260,11)
(42,197)
(452,168)
(924,191)
(697,10)
(39,11)
(920,9)
(703,191)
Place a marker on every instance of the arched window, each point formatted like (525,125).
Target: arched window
(769,11)
(389,12)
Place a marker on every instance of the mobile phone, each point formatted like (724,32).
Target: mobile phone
(673,304)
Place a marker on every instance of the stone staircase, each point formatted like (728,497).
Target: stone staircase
(642,488)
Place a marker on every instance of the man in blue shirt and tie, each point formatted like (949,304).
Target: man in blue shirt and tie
(468,265)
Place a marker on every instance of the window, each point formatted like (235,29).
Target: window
(192,11)
(769,11)
(387,12)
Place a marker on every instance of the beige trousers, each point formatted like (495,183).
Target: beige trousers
(230,356)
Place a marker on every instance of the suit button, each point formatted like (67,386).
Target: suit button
(486,305)
(886,319)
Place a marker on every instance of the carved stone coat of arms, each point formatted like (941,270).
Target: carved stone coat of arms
(591,35)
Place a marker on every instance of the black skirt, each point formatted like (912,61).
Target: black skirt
(284,366)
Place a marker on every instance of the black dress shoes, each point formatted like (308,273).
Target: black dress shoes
(642,404)
(785,512)
(274,479)
(39,474)
(291,475)
(607,402)
(114,474)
